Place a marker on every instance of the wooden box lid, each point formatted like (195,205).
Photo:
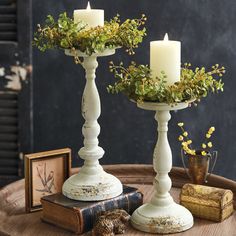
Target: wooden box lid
(205,195)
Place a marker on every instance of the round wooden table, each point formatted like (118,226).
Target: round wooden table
(14,221)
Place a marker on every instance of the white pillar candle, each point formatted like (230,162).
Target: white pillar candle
(165,55)
(92,17)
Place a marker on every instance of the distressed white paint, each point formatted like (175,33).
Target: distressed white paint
(16,78)
(92,183)
(162,214)
(20,71)
(2,71)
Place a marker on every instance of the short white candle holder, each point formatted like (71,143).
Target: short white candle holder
(92,183)
(162,215)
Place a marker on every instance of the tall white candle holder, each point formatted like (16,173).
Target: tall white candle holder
(162,215)
(92,183)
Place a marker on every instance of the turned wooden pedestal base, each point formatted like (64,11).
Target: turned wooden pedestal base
(162,215)
(92,183)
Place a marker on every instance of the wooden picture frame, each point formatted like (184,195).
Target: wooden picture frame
(45,173)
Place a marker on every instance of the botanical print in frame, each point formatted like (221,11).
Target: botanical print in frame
(45,173)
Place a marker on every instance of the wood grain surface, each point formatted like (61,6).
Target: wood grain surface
(14,221)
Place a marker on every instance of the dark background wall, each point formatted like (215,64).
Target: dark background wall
(207,31)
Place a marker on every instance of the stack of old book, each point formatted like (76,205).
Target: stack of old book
(79,216)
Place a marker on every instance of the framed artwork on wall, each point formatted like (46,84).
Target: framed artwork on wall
(45,173)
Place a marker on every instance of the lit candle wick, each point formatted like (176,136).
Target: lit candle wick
(88,6)
(166,38)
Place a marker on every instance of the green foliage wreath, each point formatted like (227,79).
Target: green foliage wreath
(65,34)
(137,83)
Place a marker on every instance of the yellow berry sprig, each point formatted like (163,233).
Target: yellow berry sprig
(186,142)
(207,144)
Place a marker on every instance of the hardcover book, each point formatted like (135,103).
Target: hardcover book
(79,216)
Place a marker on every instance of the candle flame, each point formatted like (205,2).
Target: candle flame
(88,6)
(166,38)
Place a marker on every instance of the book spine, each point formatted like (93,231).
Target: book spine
(61,216)
(128,202)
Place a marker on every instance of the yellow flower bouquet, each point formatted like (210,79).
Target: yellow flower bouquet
(186,142)
(198,160)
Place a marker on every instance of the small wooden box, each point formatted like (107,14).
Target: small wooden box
(207,202)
